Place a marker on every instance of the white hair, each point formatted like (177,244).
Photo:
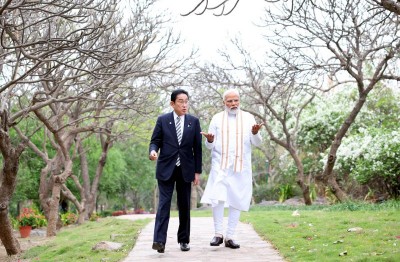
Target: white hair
(230,91)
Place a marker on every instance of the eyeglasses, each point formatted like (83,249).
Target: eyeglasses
(182,102)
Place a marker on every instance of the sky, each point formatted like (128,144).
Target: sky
(208,32)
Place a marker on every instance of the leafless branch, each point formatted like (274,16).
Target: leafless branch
(206,7)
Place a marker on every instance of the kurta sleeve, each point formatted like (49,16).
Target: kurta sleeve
(213,130)
(256,139)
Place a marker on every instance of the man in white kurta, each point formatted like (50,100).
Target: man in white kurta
(230,136)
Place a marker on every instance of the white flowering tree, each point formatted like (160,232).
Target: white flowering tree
(376,121)
(370,154)
(371,158)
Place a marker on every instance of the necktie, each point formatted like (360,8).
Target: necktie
(179,135)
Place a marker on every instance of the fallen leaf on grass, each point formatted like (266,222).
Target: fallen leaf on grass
(293,225)
(376,254)
(354,229)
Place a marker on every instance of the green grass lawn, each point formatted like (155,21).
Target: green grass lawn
(318,234)
(75,243)
(321,233)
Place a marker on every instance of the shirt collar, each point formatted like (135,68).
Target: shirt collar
(175,116)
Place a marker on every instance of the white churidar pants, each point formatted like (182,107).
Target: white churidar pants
(233,219)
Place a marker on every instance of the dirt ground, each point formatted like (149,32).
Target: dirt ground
(25,243)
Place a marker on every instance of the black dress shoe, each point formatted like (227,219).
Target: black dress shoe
(231,244)
(160,247)
(216,241)
(184,246)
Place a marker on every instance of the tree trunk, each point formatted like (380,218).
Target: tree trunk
(53,207)
(91,201)
(8,181)
(43,191)
(89,191)
(54,202)
(85,178)
(328,176)
(7,237)
(306,192)
(305,188)
(80,206)
(336,190)
(46,185)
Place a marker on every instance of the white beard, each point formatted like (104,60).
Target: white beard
(232,111)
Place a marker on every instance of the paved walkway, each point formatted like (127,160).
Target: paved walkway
(252,247)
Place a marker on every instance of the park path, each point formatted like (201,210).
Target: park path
(252,247)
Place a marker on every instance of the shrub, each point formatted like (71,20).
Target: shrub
(94,217)
(31,217)
(26,218)
(105,213)
(371,158)
(14,222)
(263,193)
(69,218)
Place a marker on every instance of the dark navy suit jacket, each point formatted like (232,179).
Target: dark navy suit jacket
(165,141)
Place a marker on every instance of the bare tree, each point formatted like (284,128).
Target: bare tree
(81,69)
(20,61)
(348,43)
(226,7)
(389,5)
(10,157)
(276,104)
(322,46)
(295,5)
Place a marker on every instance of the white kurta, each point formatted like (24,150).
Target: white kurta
(234,188)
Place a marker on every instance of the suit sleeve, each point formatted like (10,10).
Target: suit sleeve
(156,138)
(197,148)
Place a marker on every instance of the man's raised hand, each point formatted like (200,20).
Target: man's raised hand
(255,128)
(209,136)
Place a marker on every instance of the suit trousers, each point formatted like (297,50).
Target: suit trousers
(183,192)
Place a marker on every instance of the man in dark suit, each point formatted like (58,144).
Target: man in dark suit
(177,138)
